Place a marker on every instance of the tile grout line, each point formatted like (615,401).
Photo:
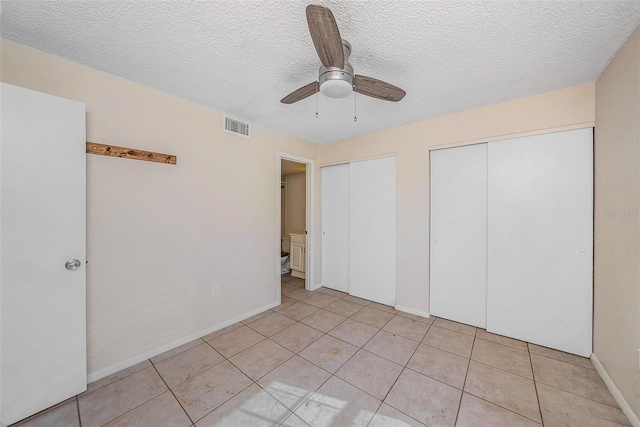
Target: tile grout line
(578,395)
(535,386)
(464,383)
(78,410)
(172,393)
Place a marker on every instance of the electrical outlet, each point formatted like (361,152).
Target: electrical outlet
(215,290)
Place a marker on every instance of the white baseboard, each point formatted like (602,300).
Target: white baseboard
(94,376)
(626,409)
(413,311)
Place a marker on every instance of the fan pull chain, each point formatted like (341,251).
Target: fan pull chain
(355,105)
(317,90)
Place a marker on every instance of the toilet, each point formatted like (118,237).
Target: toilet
(284,263)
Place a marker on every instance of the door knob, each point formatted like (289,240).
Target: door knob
(72,264)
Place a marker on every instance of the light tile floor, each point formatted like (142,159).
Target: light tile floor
(324,358)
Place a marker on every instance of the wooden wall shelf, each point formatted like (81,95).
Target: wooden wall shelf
(129,153)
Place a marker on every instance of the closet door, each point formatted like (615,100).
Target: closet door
(540,240)
(458,252)
(335,227)
(372,230)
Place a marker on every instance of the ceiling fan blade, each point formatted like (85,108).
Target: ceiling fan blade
(326,36)
(301,93)
(377,89)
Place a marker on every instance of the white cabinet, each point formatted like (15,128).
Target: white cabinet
(298,243)
(512,236)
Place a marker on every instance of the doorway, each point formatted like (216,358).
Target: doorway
(295,215)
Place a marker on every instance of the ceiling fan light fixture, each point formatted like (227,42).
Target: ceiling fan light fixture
(336,88)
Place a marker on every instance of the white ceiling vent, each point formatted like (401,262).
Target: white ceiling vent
(236,126)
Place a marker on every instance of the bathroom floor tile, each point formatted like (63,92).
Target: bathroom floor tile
(564,409)
(222,331)
(205,392)
(299,294)
(320,300)
(572,359)
(294,381)
(235,341)
(251,407)
(333,292)
(509,342)
(388,416)
(440,365)
(257,317)
(338,403)
(574,379)
(370,373)
(408,328)
(351,298)
(180,349)
(110,402)
(287,287)
(510,391)
(427,320)
(323,320)
(271,324)
(329,353)
(373,317)
(296,337)
(435,405)
(448,340)
(298,311)
(392,347)
(161,410)
(382,307)
(353,332)
(185,365)
(502,357)
(116,377)
(455,326)
(294,421)
(344,308)
(65,415)
(261,359)
(476,412)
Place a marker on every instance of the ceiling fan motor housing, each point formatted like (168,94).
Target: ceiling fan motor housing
(337,82)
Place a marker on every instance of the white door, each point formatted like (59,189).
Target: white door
(335,227)
(541,240)
(372,230)
(42,193)
(458,253)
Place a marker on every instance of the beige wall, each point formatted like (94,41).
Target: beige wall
(295,205)
(564,109)
(617,221)
(158,235)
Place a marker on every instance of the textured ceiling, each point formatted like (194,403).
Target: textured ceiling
(241,57)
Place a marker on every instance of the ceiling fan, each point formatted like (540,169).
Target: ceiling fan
(336,78)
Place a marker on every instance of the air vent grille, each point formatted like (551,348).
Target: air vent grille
(236,126)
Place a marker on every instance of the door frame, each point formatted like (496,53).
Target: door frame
(309,271)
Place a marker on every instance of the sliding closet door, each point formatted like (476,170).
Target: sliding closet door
(540,240)
(372,230)
(458,253)
(335,227)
